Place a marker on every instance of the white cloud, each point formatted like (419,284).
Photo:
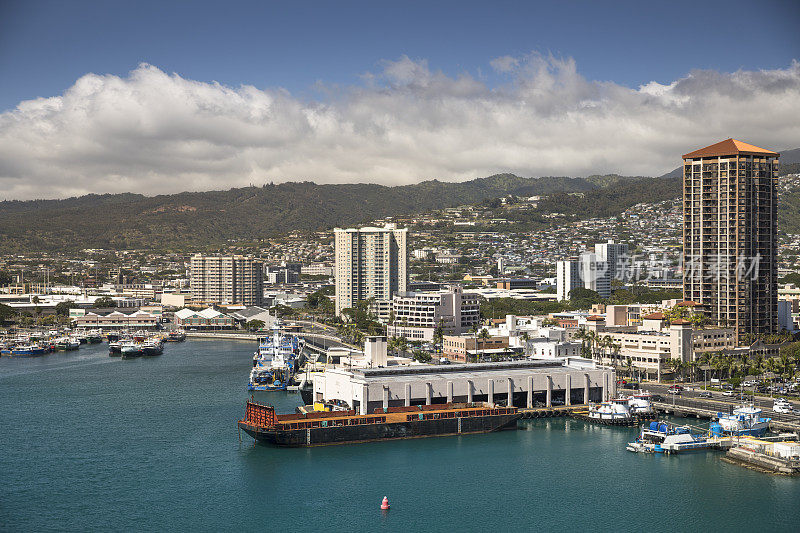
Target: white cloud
(152,132)
(504,63)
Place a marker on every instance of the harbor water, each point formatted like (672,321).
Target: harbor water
(90,442)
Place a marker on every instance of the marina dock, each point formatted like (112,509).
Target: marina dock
(709,410)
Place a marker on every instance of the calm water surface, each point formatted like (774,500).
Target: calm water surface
(89,442)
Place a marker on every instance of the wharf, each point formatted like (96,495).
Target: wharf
(762,461)
(578,412)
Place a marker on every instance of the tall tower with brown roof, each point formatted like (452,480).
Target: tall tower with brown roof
(730,209)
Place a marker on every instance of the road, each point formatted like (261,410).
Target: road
(718,402)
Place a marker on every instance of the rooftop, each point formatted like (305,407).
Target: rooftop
(729,147)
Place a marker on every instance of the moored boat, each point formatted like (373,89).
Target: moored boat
(175,336)
(663,437)
(152,347)
(28,350)
(744,420)
(114,348)
(614,410)
(94,337)
(640,405)
(131,349)
(67,344)
(319,428)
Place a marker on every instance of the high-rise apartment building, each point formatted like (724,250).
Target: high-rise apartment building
(226,280)
(616,255)
(730,207)
(371,263)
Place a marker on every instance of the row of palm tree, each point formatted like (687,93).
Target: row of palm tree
(595,346)
(724,365)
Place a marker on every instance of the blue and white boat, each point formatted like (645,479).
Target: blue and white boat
(663,437)
(28,350)
(276,361)
(745,420)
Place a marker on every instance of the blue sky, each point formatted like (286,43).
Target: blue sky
(46,46)
(161,97)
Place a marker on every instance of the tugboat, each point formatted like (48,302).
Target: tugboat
(640,405)
(745,420)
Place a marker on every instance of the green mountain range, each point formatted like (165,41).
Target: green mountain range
(199,220)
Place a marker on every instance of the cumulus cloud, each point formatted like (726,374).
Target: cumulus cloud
(154,132)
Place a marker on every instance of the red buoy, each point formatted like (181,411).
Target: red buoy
(385,504)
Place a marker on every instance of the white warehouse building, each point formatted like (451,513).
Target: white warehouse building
(569,381)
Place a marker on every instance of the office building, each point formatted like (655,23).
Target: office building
(418,314)
(371,264)
(226,280)
(730,209)
(616,255)
(587,271)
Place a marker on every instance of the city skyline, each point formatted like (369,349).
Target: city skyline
(163,110)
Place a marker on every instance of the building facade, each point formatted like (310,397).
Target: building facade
(458,347)
(371,264)
(730,214)
(615,255)
(418,314)
(587,271)
(226,280)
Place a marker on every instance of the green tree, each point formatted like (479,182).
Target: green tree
(104,301)
(581,297)
(255,325)
(62,308)
(422,357)
(6,313)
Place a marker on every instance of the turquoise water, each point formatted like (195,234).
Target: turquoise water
(90,442)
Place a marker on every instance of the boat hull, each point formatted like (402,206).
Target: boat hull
(323,436)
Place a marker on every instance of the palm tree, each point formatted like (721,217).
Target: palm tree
(402,344)
(583,335)
(629,366)
(484,336)
(593,339)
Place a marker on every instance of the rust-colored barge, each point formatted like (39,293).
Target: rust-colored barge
(344,427)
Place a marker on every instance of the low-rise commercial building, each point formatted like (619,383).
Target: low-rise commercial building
(208,318)
(113,320)
(460,347)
